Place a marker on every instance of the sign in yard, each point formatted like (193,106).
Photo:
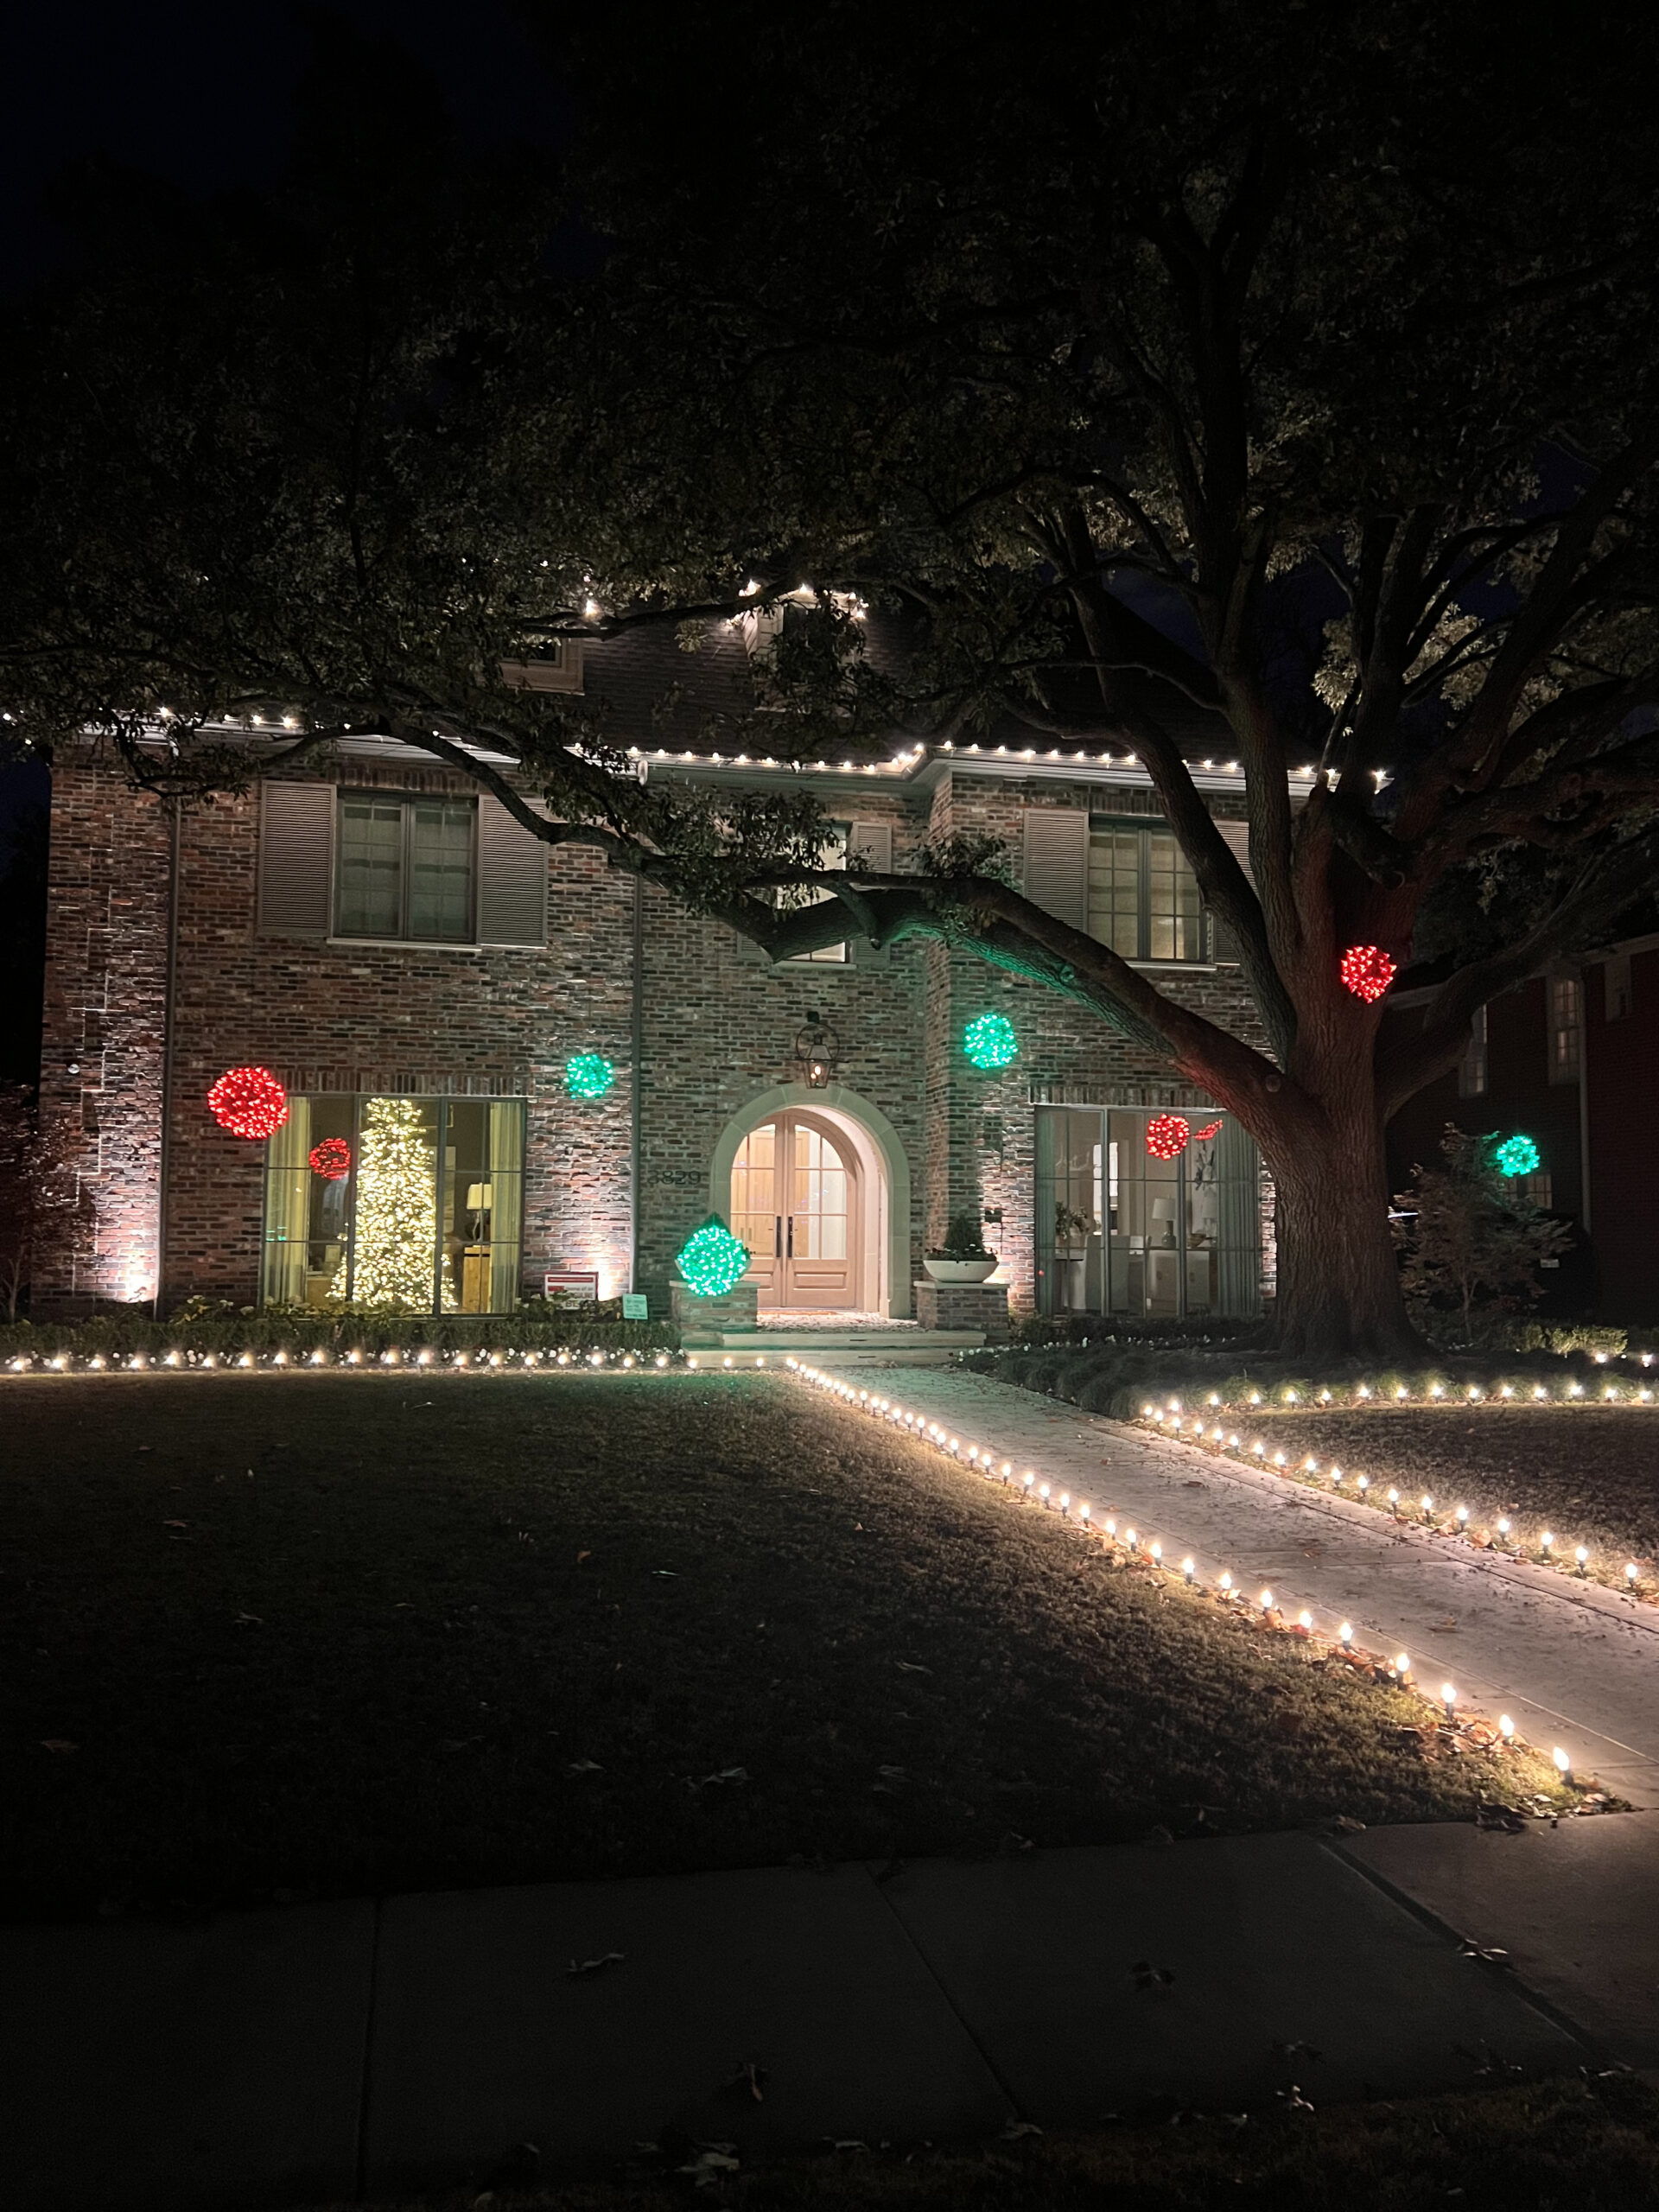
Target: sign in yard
(573,1282)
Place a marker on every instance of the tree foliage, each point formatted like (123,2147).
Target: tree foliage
(1468,1233)
(1325,336)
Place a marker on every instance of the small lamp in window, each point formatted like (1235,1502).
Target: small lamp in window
(817,1050)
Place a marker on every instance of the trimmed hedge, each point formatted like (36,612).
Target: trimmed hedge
(216,1327)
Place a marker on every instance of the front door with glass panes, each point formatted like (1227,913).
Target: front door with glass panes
(794,1186)
(1123,1231)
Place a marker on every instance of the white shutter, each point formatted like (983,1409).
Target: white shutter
(1056,862)
(869,844)
(1236,837)
(512,879)
(296,840)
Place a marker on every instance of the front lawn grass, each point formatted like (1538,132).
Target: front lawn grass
(1585,1473)
(1590,2145)
(333,1633)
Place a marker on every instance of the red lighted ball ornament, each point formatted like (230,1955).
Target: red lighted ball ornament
(1167,1136)
(249,1103)
(1209,1130)
(332,1159)
(1367,970)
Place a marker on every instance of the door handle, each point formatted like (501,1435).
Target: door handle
(777,1236)
(791,1236)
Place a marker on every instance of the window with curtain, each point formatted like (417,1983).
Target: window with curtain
(1123,1231)
(413,1204)
(1143,898)
(406,867)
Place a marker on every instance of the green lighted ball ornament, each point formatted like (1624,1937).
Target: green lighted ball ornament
(989,1040)
(712,1260)
(589,1075)
(1517,1155)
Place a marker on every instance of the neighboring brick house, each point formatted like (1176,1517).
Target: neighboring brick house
(1566,1060)
(420,973)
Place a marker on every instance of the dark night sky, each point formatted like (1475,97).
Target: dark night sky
(200,90)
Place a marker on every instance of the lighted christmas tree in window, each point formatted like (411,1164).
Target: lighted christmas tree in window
(397,1210)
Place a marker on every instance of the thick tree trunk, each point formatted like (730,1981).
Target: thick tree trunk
(1338,1295)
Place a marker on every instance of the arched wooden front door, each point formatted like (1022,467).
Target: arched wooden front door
(795,1205)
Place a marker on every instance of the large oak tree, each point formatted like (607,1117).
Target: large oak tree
(1325,334)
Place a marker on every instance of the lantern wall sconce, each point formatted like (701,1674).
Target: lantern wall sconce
(817,1050)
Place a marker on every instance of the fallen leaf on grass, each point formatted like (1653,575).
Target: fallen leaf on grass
(1297,2049)
(58,1743)
(1506,1819)
(248,1620)
(1490,1953)
(1016,2128)
(594,1966)
(582,1555)
(712,2160)
(735,1775)
(584,1766)
(1341,1824)
(910,1667)
(175,1525)
(846,2142)
(665,1573)
(1292,2100)
(1147,1976)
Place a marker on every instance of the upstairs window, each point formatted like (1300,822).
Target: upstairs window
(406,869)
(1144,900)
(831,857)
(1566,1023)
(1471,1068)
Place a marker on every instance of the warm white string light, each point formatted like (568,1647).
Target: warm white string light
(188,1359)
(1169,1419)
(1028,1489)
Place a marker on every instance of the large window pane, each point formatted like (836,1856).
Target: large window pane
(1119,1232)
(360,1207)
(394,1217)
(1143,898)
(1115,890)
(1174,911)
(288,1198)
(371,868)
(483,1164)
(441,870)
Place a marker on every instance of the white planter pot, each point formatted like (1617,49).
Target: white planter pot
(960,1270)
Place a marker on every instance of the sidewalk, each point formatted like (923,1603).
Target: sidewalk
(277,2058)
(1574,1664)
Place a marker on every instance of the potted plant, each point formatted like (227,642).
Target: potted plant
(962,1257)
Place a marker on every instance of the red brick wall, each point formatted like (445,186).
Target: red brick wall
(718,1026)
(982,1128)
(105,1019)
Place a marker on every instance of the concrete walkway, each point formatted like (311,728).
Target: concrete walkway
(275,2058)
(1572,1663)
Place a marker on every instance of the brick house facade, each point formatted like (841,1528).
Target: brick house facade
(183,943)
